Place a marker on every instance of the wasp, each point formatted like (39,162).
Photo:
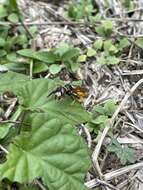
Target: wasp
(77,92)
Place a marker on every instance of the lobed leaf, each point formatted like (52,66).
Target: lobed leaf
(52,151)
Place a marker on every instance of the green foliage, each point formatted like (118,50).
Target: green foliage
(50,150)
(13,18)
(105,29)
(82,9)
(64,56)
(11,81)
(101,115)
(124,153)
(3,11)
(108,51)
(51,127)
(98,44)
(91,52)
(139,42)
(128,4)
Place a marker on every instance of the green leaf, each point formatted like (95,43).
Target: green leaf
(67,109)
(110,107)
(108,25)
(13,18)
(13,5)
(54,69)
(11,81)
(82,58)
(40,67)
(125,154)
(100,110)
(109,47)
(47,57)
(22,39)
(101,60)
(74,67)
(91,52)
(123,43)
(139,42)
(62,49)
(98,44)
(100,30)
(100,119)
(3,11)
(2,53)
(2,42)
(52,151)
(112,60)
(71,54)
(4,128)
(11,57)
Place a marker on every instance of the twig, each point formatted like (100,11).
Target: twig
(88,136)
(107,184)
(112,120)
(122,171)
(111,175)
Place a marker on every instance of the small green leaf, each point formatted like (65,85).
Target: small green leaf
(125,154)
(108,25)
(54,69)
(33,30)
(139,42)
(123,43)
(13,18)
(4,129)
(22,39)
(82,58)
(2,53)
(3,11)
(100,110)
(39,67)
(100,119)
(62,49)
(109,47)
(91,52)
(74,67)
(101,60)
(110,107)
(11,57)
(2,42)
(100,30)
(112,60)
(98,44)
(71,54)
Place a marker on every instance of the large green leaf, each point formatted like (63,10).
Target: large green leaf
(11,81)
(33,96)
(52,151)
